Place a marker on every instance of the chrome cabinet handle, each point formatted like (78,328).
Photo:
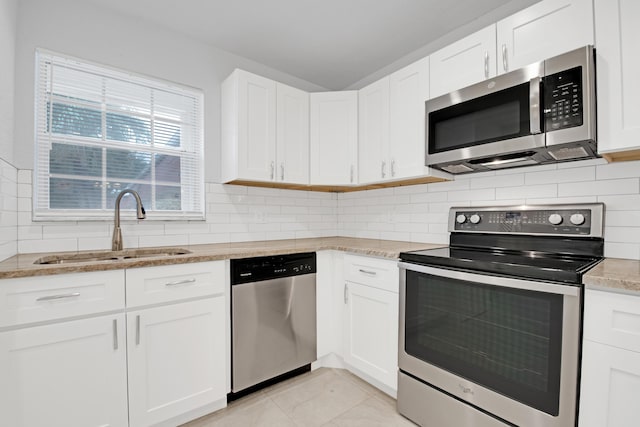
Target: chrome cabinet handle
(60,296)
(351,174)
(115,334)
(180,282)
(384,164)
(138,330)
(346,293)
(504,57)
(373,273)
(393,167)
(273,166)
(281,171)
(486,64)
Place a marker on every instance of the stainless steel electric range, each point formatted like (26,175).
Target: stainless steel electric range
(490,327)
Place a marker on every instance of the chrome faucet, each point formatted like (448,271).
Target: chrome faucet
(116,240)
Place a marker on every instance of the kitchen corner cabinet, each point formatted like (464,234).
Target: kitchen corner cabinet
(371,319)
(610,360)
(617,36)
(334,138)
(544,30)
(464,62)
(56,369)
(265,130)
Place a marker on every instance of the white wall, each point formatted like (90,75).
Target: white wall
(419,213)
(8,173)
(7,59)
(86,31)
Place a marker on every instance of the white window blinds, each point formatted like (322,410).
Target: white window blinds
(100,131)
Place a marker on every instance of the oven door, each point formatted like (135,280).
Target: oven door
(509,347)
(487,120)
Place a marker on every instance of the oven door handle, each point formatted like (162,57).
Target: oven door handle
(506,282)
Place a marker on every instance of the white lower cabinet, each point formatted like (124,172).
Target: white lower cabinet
(370,321)
(610,360)
(610,384)
(176,356)
(371,332)
(70,374)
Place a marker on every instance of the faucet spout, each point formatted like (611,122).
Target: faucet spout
(116,240)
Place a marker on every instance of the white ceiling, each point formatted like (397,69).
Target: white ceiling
(332,43)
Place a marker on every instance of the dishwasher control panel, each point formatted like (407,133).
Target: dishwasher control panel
(257,269)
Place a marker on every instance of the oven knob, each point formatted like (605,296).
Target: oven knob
(555,219)
(577,219)
(461,218)
(475,219)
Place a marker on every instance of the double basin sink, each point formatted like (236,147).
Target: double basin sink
(111,256)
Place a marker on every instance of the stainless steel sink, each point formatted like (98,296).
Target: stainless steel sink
(111,256)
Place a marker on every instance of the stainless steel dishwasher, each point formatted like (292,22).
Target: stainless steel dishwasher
(273,318)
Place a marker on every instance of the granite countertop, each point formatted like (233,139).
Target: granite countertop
(614,274)
(23,265)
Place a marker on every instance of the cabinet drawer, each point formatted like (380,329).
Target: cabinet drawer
(153,285)
(612,318)
(377,272)
(43,298)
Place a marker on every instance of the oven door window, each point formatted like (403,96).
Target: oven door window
(508,340)
(494,117)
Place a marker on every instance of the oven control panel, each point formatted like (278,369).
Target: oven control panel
(554,220)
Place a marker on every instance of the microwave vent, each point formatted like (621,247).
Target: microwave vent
(568,153)
(459,168)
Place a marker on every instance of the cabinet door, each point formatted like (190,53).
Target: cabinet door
(609,386)
(256,127)
(70,374)
(543,30)
(409,89)
(617,36)
(463,63)
(292,135)
(373,132)
(334,138)
(176,357)
(371,332)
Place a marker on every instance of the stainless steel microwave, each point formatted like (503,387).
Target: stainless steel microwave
(542,113)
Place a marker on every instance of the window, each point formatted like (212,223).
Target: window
(100,131)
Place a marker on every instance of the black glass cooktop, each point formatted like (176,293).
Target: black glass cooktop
(535,265)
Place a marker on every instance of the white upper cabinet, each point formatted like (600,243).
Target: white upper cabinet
(617,38)
(373,137)
(544,30)
(265,130)
(464,62)
(409,89)
(248,127)
(292,135)
(334,138)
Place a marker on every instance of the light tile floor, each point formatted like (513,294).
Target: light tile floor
(322,398)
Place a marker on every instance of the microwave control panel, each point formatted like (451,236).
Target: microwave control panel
(563,102)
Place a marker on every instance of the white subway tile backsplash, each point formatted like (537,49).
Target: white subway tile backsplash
(561,175)
(618,170)
(497,181)
(605,187)
(527,191)
(417,213)
(8,210)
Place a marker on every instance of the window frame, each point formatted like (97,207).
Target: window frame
(190,151)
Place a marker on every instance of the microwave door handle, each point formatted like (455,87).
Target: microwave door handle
(535,106)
